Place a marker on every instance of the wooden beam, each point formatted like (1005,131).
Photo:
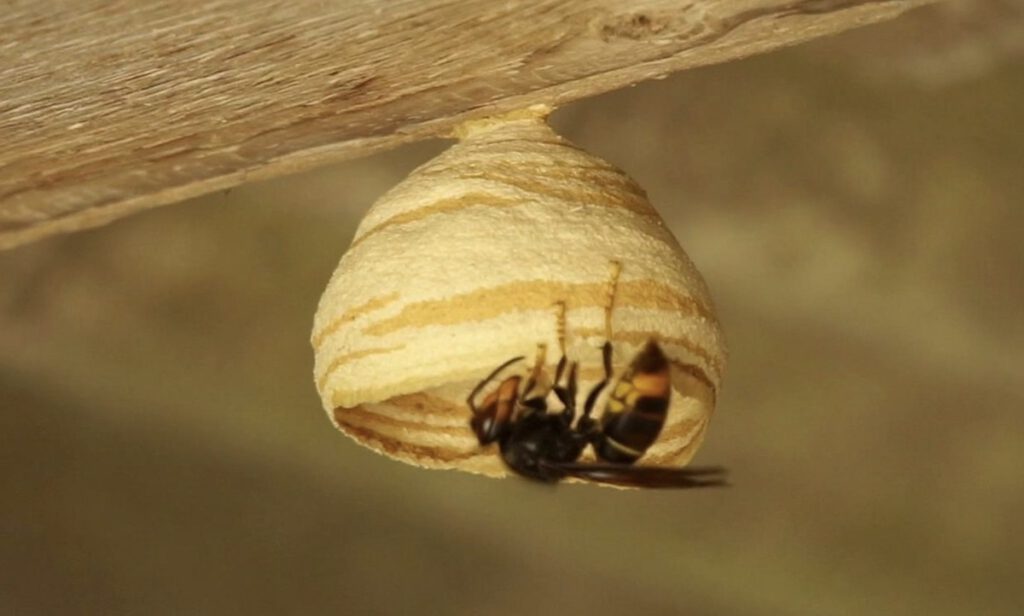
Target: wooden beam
(108,108)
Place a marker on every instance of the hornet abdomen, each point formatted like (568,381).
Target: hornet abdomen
(636,408)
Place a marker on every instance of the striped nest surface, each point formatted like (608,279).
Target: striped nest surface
(471,260)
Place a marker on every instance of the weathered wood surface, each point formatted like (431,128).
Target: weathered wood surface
(107,108)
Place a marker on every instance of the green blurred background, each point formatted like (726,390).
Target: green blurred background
(855,206)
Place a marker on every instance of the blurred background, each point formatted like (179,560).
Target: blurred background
(855,206)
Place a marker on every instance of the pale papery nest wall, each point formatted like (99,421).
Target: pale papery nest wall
(459,268)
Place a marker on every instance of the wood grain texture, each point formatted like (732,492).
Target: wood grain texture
(107,108)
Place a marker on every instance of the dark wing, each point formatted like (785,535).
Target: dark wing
(644,476)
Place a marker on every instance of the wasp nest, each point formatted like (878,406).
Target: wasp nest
(468,263)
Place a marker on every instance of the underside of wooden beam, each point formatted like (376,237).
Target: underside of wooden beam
(108,108)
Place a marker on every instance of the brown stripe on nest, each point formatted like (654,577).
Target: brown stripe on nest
(453,413)
(341,360)
(428,454)
(365,417)
(367,307)
(441,206)
(589,191)
(499,300)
